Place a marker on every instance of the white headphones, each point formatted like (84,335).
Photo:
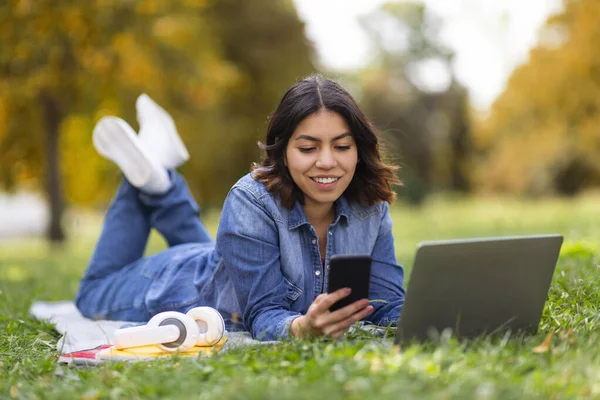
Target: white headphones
(172,330)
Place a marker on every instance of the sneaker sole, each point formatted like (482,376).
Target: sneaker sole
(116,140)
(179,147)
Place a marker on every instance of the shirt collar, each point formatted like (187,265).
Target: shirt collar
(297,217)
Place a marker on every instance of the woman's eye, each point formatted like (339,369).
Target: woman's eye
(342,148)
(306,149)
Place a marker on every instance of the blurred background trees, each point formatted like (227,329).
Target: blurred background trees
(543,132)
(425,125)
(221,66)
(217,66)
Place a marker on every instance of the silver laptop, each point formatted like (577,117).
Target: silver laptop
(478,286)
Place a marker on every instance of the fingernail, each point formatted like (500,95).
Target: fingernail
(347,290)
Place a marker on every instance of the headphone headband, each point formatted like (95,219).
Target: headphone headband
(172,330)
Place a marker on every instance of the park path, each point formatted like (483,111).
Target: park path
(22,215)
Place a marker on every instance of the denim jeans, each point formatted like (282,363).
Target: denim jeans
(119,277)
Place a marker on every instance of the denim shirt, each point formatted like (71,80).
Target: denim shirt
(268,258)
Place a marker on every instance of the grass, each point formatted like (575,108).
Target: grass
(566,366)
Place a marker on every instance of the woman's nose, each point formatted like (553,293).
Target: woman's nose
(326,160)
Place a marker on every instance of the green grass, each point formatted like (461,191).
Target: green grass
(486,368)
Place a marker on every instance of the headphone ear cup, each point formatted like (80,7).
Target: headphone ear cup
(189,332)
(210,325)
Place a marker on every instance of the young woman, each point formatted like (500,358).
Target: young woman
(321,189)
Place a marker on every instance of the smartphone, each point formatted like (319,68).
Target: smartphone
(349,271)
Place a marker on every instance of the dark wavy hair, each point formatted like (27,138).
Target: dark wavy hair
(372,179)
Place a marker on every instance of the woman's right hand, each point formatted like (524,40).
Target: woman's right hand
(319,321)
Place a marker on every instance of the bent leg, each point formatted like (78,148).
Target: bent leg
(124,234)
(118,278)
(162,282)
(175,214)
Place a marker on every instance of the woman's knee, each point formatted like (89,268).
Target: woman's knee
(86,307)
(93,302)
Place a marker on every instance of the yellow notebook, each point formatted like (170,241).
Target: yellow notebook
(151,352)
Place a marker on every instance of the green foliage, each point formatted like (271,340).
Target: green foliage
(265,42)
(542,133)
(486,368)
(219,67)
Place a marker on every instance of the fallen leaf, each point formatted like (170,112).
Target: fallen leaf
(545,345)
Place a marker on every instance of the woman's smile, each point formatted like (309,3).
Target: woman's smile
(325,183)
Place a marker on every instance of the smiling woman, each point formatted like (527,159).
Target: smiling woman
(315,114)
(321,190)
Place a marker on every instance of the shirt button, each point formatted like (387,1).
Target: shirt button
(314,241)
(317,273)
(330,233)
(327,267)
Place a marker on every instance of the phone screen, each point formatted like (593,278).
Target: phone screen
(349,271)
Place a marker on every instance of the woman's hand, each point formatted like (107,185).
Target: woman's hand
(319,321)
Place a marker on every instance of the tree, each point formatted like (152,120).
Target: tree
(265,42)
(542,134)
(426,126)
(65,63)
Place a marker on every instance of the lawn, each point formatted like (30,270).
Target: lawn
(566,366)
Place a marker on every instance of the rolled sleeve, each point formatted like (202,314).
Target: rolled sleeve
(387,277)
(248,241)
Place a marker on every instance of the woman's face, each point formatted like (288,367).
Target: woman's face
(321,156)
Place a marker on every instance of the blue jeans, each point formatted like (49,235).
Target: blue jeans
(116,282)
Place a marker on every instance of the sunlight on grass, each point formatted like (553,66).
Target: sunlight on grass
(446,218)
(14,273)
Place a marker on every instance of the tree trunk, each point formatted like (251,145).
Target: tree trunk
(52,119)
(459,141)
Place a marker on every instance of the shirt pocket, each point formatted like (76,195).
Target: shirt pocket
(293,291)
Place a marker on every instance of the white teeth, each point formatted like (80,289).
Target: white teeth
(325,180)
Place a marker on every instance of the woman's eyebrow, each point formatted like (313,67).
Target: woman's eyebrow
(314,139)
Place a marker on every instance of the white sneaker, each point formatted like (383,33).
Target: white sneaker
(117,141)
(158,133)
